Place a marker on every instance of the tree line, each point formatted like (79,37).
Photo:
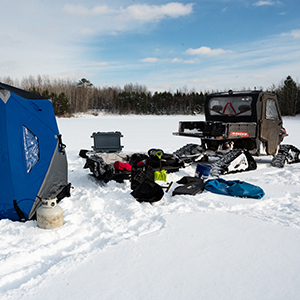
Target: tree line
(69,97)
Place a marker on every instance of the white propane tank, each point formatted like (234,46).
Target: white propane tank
(49,215)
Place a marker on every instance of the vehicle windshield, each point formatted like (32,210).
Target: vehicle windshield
(230,106)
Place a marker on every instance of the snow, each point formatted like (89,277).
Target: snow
(206,246)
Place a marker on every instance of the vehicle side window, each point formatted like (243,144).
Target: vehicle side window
(271,110)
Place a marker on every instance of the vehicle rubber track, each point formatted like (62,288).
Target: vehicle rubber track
(189,153)
(236,160)
(286,154)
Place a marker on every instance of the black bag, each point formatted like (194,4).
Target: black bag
(148,191)
(139,173)
(192,186)
(143,185)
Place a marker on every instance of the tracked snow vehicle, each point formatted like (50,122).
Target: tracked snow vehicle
(238,125)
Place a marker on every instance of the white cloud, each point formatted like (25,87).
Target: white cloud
(84,11)
(185,61)
(207,51)
(112,19)
(266,2)
(294,33)
(139,12)
(146,13)
(99,64)
(191,61)
(150,60)
(177,60)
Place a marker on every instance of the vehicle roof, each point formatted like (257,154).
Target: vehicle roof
(235,93)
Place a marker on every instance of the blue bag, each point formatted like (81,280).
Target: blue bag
(234,188)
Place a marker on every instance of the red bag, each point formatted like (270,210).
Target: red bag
(122,166)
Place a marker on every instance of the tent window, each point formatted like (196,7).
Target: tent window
(31,148)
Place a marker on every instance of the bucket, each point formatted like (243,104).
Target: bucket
(202,171)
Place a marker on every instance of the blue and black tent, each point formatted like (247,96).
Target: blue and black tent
(33,162)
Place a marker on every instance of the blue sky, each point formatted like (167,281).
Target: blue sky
(202,45)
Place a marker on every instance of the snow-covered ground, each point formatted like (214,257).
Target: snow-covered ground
(206,246)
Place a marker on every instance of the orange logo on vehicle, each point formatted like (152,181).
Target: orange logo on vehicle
(239,133)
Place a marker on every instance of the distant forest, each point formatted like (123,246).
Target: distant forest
(70,97)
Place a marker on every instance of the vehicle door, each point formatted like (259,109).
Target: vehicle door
(271,123)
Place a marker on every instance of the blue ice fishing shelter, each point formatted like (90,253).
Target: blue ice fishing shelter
(33,162)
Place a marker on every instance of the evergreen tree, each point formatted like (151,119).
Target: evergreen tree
(288,97)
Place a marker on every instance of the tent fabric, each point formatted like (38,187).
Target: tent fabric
(29,148)
(234,188)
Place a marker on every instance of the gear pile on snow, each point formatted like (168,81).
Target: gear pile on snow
(112,166)
(286,154)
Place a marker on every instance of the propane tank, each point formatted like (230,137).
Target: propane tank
(49,215)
